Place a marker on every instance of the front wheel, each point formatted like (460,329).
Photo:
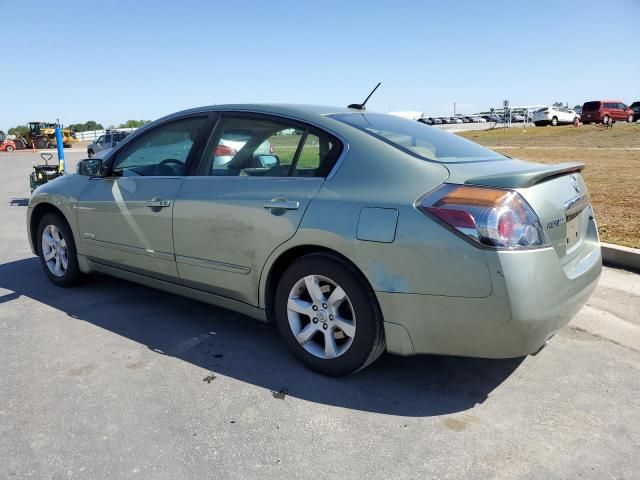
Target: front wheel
(57,251)
(328,315)
(630,119)
(554,121)
(9,148)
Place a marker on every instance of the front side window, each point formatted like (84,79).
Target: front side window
(162,151)
(263,147)
(417,138)
(100,140)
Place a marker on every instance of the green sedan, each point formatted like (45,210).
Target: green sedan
(354,232)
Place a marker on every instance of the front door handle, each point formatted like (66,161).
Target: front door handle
(282,204)
(157,202)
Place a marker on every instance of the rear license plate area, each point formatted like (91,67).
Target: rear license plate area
(573,231)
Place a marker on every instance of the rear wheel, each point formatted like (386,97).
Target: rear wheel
(606,120)
(328,315)
(57,251)
(554,121)
(630,119)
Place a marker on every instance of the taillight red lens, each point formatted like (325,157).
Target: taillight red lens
(506,225)
(224,151)
(455,218)
(491,216)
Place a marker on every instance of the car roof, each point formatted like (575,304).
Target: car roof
(278,108)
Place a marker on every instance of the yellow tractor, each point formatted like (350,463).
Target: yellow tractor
(43,135)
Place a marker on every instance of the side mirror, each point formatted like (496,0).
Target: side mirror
(91,167)
(269,160)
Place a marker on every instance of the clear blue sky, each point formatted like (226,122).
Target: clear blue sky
(143,59)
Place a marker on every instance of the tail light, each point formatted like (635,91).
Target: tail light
(224,151)
(545,111)
(489,216)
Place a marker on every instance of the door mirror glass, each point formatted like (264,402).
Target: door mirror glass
(268,160)
(91,167)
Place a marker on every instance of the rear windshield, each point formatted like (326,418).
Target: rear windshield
(591,106)
(417,138)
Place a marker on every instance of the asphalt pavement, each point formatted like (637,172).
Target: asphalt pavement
(116,380)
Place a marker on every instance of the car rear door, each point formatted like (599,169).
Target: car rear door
(125,219)
(256,179)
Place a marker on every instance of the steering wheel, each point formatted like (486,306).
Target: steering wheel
(169,161)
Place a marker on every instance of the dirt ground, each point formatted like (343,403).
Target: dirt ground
(612,173)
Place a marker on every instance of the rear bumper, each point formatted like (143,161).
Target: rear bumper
(533,297)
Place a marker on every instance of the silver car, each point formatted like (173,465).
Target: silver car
(355,232)
(104,142)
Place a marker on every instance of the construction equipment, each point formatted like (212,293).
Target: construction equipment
(6,144)
(43,135)
(43,173)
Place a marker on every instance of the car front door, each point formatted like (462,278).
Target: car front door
(125,218)
(256,179)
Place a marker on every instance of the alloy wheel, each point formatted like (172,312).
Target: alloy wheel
(54,250)
(321,316)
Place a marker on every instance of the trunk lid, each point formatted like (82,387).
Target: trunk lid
(557,193)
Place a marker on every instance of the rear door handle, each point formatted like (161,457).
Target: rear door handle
(158,203)
(282,204)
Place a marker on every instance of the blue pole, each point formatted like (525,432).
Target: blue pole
(60,149)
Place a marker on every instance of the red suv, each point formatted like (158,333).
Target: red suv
(605,111)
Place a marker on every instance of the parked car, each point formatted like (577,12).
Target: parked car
(368,233)
(493,118)
(605,111)
(426,120)
(455,120)
(635,106)
(108,140)
(554,116)
(437,121)
(517,117)
(445,119)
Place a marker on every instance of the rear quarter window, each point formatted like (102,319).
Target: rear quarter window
(589,106)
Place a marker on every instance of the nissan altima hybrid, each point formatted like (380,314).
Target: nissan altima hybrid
(355,232)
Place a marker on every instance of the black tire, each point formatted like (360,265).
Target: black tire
(554,122)
(9,148)
(42,143)
(368,341)
(72,274)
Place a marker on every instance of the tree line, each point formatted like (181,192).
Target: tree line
(23,130)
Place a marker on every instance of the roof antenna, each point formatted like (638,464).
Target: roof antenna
(360,106)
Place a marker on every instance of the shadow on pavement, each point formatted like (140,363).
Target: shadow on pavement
(251,351)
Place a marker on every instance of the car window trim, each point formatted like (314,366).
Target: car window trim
(296,156)
(193,153)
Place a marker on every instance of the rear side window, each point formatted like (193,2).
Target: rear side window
(590,106)
(610,105)
(263,147)
(417,138)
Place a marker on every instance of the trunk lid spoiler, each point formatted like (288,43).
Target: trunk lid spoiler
(525,174)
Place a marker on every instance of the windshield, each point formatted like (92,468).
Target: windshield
(417,138)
